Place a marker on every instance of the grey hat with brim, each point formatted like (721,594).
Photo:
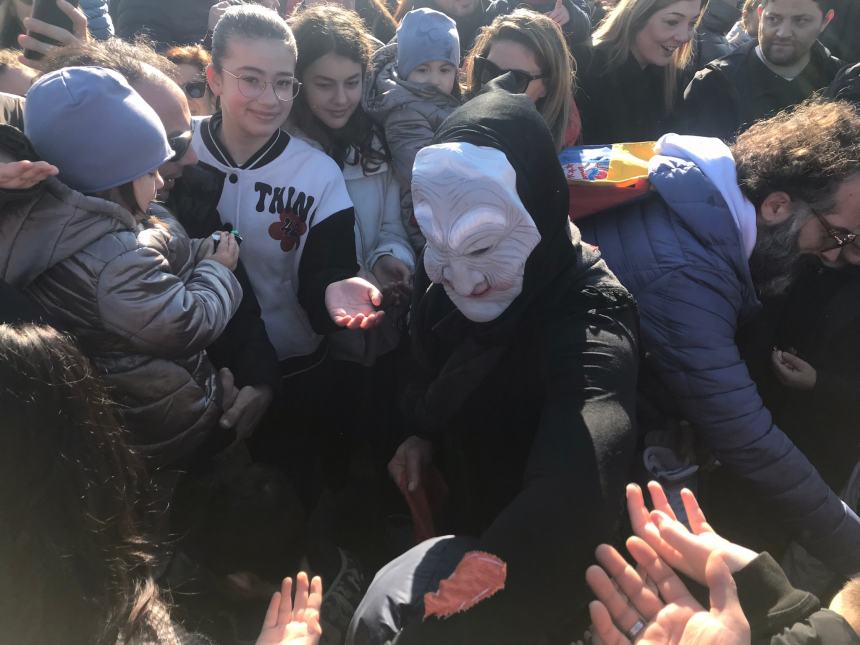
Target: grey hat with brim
(91,124)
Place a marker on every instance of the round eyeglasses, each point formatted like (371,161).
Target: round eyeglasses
(252,87)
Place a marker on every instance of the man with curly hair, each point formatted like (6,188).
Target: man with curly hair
(721,227)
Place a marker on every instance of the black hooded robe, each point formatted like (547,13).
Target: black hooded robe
(533,412)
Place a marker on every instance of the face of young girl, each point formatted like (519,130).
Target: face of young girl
(665,31)
(439,73)
(332,87)
(145,189)
(248,66)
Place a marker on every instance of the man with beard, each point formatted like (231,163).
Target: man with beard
(721,226)
(757,80)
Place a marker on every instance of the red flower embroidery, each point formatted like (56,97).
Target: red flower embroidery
(288,230)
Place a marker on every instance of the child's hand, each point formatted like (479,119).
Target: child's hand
(227,252)
(289,623)
(792,371)
(559,14)
(352,303)
(19,175)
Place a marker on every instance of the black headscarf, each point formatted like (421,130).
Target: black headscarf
(459,352)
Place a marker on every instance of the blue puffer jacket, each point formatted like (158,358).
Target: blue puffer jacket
(98,18)
(679,252)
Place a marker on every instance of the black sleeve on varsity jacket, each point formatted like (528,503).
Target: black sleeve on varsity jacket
(329,256)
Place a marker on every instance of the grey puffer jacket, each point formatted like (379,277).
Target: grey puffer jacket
(140,300)
(409,115)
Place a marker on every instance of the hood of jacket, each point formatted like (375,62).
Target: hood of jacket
(49,223)
(385,91)
(701,208)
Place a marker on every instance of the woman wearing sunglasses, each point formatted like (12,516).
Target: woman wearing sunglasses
(530,47)
(192,61)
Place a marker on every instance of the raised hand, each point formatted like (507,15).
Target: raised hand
(559,14)
(294,623)
(79,33)
(686,551)
(629,610)
(353,303)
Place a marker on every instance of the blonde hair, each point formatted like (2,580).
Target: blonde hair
(541,36)
(616,34)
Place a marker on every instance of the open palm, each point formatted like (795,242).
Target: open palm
(294,623)
(353,303)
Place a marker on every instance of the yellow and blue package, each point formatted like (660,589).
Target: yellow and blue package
(600,177)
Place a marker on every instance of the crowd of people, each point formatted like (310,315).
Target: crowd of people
(300,287)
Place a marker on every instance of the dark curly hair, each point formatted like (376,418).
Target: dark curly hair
(807,153)
(330,29)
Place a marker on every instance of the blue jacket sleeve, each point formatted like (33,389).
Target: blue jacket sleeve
(98,18)
(688,327)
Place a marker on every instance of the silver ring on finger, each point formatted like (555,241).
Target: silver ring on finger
(637,628)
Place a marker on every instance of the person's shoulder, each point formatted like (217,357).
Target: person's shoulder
(300,158)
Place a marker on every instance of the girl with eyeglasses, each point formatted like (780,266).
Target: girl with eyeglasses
(290,204)
(531,48)
(192,61)
(335,52)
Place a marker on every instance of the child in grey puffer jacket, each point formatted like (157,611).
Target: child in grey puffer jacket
(411,88)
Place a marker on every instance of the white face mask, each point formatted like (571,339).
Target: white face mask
(479,234)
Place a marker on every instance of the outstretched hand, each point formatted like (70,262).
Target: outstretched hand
(629,610)
(353,303)
(289,622)
(684,550)
(20,175)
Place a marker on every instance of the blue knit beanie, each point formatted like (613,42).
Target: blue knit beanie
(94,127)
(426,35)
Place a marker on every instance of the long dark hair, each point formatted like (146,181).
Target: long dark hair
(330,29)
(74,567)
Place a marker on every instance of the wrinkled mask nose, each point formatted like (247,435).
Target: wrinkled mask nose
(462,280)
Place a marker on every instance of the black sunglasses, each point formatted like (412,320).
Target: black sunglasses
(179,144)
(195,89)
(486,71)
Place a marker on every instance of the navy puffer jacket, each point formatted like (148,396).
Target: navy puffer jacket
(679,253)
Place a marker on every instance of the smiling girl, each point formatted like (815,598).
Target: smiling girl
(335,51)
(287,199)
(631,86)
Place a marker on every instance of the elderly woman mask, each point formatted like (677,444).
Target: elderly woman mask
(479,234)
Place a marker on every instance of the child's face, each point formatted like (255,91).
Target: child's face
(145,189)
(440,73)
(332,87)
(249,66)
